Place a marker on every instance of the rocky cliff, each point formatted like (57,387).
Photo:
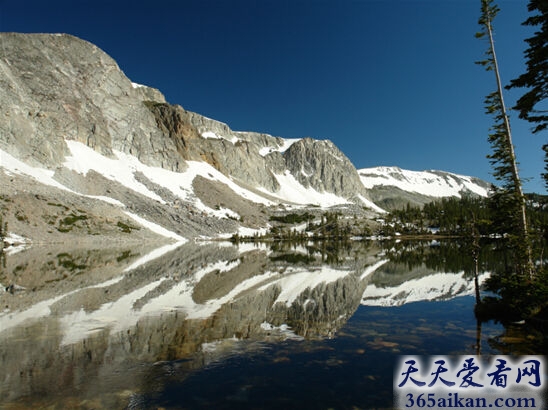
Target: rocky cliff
(73,123)
(58,87)
(259,160)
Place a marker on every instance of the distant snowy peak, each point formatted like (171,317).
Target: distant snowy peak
(435,184)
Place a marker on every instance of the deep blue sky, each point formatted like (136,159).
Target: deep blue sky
(389,82)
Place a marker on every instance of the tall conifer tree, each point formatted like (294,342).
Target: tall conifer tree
(536,76)
(503,158)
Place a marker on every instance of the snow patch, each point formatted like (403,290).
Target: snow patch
(292,190)
(212,135)
(244,247)
(286,143)
(156,253)
(422,182)
(371,204)
(42,175)
(372,269)
(247,232)
(205,170)
(84,159)
(160,230)
(116,316)
(283,329)
(122,169)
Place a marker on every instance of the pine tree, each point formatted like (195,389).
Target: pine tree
(536,76)
(503,157)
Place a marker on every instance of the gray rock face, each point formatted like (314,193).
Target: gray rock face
(146,93)
(254,159)
(322,166)
(198,138)
(57,87)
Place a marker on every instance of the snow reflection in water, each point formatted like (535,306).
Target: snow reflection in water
(228,327)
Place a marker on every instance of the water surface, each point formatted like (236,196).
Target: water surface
(232,327)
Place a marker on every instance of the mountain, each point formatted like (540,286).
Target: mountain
(88,155)
(393,187)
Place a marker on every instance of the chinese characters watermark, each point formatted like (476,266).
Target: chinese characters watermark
(469,381)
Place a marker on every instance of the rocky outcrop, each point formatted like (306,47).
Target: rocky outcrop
(255,159)
(57,87)
(198,138)
(322,166)
(146,93)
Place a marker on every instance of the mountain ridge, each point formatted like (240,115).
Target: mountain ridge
(392,187)
(75,122)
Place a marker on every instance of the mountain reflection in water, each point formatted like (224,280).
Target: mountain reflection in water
(209,326)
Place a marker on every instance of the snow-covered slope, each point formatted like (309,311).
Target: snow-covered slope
(123,167)
(393,187)
(121,172)
(430,183)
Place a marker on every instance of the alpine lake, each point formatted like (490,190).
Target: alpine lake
(238,326)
